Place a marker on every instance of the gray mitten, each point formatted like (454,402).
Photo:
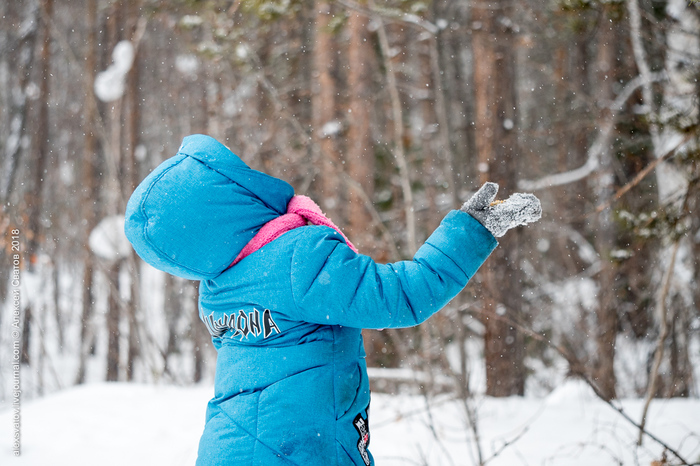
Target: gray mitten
(500,216)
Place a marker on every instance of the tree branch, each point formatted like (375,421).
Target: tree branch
(398,151)
(392,14)
(640,58)
(641,175)
(359,190)
(598,145)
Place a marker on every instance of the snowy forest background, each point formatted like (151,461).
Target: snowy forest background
(389,114)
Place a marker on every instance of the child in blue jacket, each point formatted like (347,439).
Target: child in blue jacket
(285,301)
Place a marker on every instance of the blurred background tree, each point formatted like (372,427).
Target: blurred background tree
(389,114)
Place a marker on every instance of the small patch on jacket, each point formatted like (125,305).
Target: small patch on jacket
(242,323)
(362,427)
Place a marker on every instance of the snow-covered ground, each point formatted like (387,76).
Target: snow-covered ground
(129,424)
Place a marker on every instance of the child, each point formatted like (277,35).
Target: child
(285,302)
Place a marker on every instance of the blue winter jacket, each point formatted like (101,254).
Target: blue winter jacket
(291,381)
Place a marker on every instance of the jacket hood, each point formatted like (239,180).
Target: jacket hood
(194,213)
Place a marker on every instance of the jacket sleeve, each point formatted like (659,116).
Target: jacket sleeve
(333,285)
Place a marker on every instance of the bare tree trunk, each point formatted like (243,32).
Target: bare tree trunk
(21,57)
(133,121)
(133,351)
(114,195)
(681,376)
(113,317)
(570,75)
(324,110)
(35,198)
(398,150)
(464,390)
(360,152)
(56,279)
(200,336)
(443,90)
(496,144)
(173,309)
(457,68)
(35,204)
(606,311)
(675,185)
(662,309)
(431,144)
(89,189)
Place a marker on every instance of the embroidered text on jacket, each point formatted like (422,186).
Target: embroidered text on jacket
(243,324)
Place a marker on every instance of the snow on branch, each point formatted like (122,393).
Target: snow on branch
(600,143)
(392,14)
(110,84)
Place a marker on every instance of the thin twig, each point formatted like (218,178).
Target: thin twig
(507,443)
(431,427)
(145,335)
(465,390)
(444,148)
(576,367)
(641,175)
(376,218)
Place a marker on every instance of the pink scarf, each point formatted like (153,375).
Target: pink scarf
(300,210)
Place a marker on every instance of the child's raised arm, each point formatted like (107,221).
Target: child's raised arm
(333,285)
